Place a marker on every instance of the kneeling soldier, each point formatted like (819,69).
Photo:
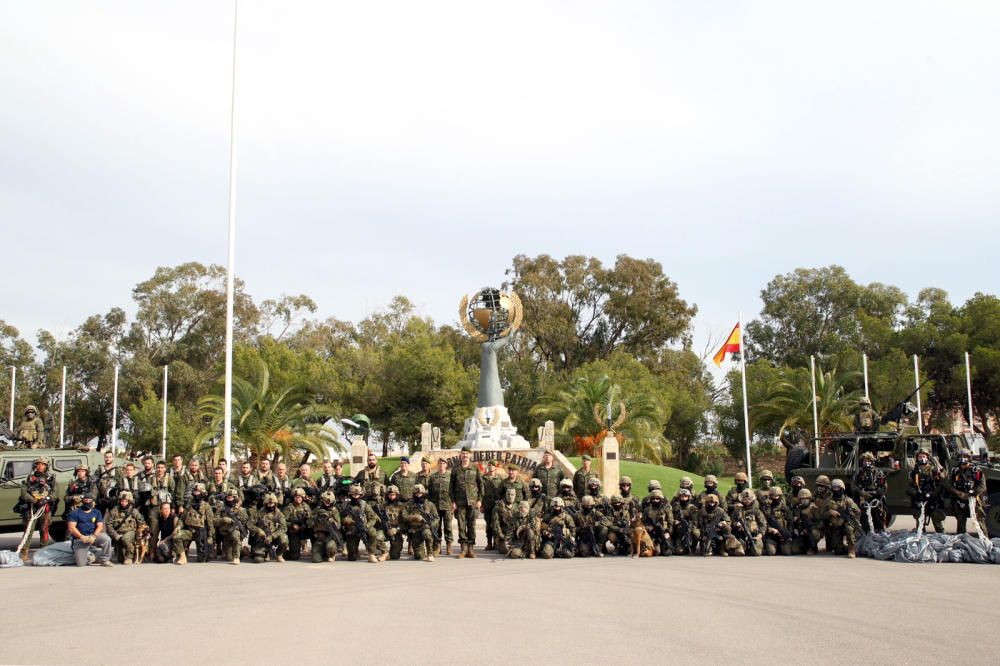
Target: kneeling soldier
(325,525)
(297,519)
(359,524)
(197,521)
(686,534)
(748,524)
(658,518)
(420,517)
(122,523)
(269,530)
(394,514)
(557,533)
(841,518)
(526,530)
(231,521)
(716,532)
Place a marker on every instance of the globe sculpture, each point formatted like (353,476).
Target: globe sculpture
(490,316)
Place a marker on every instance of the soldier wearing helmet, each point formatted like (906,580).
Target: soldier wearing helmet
(807,524)
(796,484)
(197,525)
(840,517)
(778,519)
(658,518)
(420,520)
(594,490)
(570,501)
(231,524)
(38,496)
(269,531)
(653,484)
(31,431)
(869,487)
(297,523)
(711,488)
(685,483)
(78,487)
(537,499)
(966,485)
(558,531)
(360,525)
(925,491)
(591,529)
(392,514)
(619,517)
(766,482)
(742,482)
(716,528)
(625,490)
(122,524)
(865,418)
(748,524)
(685,534)
(324,521)
(304,480)
(525,539)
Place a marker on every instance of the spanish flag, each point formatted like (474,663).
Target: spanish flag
(732,346)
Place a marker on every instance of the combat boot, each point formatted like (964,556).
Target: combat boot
(852,552)
(448,549)
(235,560)
(279,558)
(383,557)
(472,553)
(182,558)
(372,558)
(461,551)
(429,558)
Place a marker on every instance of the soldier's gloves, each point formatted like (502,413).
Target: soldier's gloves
(226,520)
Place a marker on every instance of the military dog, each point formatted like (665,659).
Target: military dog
(141,544)
(642,543)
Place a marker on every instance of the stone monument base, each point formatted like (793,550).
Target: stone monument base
(490,429)
(527,459)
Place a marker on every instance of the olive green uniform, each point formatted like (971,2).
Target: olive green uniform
(418,529)
(467,493)
(227,524)
(268,529)
(439,493)
(405,483)
(550,478)
(122,525)
(580,479)
(297,525)
(325,524)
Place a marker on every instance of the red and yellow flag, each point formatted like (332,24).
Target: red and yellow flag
(731,346)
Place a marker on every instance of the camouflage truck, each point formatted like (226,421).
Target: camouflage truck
(895,452)
(16,464)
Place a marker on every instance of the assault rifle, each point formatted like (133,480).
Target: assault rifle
(773,523)
(587,538)
(709,542)
(749,543)
(240,525)
(433,524)
(357,514)
(684,532)
(804,528)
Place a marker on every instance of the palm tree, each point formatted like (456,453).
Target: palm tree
(267,422)
(789,401)
(579,414)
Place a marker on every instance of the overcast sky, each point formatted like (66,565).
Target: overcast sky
(416,147)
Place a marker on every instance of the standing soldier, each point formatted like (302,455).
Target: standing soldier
(218,486)
(297,523)
(424,475)
(733,497)
(404,479)
(77,488)
(807,524)
(766,481)
(420,519)
(130,480)
(548,474)
(282,484)
(711,488)
(841,518)
(685,484)
(925,492)
(31,431)
(162,491)
(246,478)
(38,493)
(526,530)
(514,481)
(439,492)
(869,486)
(325,525)
(372,480)
(777,514)
(503,520)
(269,531)
(571,502)
(394,516)
(121,524)
(232,523)
(716,529)
(492,492)
(359,522)
(748,524)
(557,533)
(865,419)
(582,476)
(197,521)
(327,480)
(686,535)
(467,496)
(176,470)
(108,479)
(192,476)
(537,500)
(342,483)
(658,518)
(265,475)
(304,481)
(967,486)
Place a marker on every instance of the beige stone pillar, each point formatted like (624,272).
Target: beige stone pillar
(610,471)
(359,454)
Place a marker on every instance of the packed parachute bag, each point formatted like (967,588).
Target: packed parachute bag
(57,555)
(918,546)
(12,558)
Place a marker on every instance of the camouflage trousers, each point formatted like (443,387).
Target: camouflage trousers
(182,542)
(124,546)
(773,545)
(524,544)
(295,541)
(842,536)
(620,538)
(961,512)
(324,548)
(261,546)
(466,523)
(423,542)
(566,549)
(376,544)
(685,544)
(230,544)
(935,514)
(395,538)
(445,516)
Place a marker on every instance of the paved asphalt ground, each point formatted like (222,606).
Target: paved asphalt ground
(490,610)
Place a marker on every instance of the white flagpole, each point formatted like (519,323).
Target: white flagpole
(62,410)
(13,392)
(968,390)
(812,363)
(230,279)
(163,445)
(916,385)
(114,415)
(746,411)
(864,360)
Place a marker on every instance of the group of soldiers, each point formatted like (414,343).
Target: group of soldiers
(156,512)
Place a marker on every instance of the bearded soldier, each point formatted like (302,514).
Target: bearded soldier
(840,515)
(748,524)
(325,525)
(31,431)
(686,533)
(658,518)
(161,490)
(121,524)
(231,521)
(193,475)
(967,485)
(197,523)
(420,519)
(246,478)
(557,533)
(467,495)
(297,523)
(372,480)
(108,480)
(269,531)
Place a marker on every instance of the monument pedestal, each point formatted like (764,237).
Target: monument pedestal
(609,471)
(359,455)
(490,428)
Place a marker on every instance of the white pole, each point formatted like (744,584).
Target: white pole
(864,360)
(230,280)
(746,411)
(968,390)
(812,363)
(13,392)
(114,415)
(163,445)
(916,385)
(62,409)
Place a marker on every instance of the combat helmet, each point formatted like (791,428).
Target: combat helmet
(653,485)
(126,495)
(327,497)
(558,502)
(656,493)
(419,489)
(740,476)
(392,489)
(823,481)
(747,495)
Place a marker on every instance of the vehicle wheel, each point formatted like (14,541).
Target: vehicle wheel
(993,516)
(57,532)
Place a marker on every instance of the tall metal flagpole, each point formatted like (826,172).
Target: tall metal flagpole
(746,411)
(13,392)
(864,361)
(114,415)
(230,290)
(812,363)
(916,385)
(62,410)
(968,391)
(163,444)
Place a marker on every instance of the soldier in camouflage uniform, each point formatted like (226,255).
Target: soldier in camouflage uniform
(865,419)
(869,487)
(925,491)
(658,518)
(77,488)
(733,496)
(807,524)
(395,529)
(268,531)
(653,484)
(711,488)
(591,529)
(514,481)
(537,500)
(107,477)
(304,481)
(600,501)
(766,482)
(129,480)
(420,518)
(548,474)
(796,484)
(840,514)
(282,485)
(373,480)
(31,431)
(424,475)
(359,523)
(966,483)
(625,490)
(404,479)
(582,476)
(325,525)
(38,490)
(197,521)
(297,523)
(231,523)
(218,486)
(439,492)
(503,519)
(193,475)
(685,484)
(161,490)
(778,516)
(493,491)
(820,498)
(467,494)
(526,533)
(246,478)
(748,524)
(620,517)
(557,532)
(121,524)
(716,529)
(686,534)
(571,503)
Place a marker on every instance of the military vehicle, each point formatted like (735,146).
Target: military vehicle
(16,464)
(895,454)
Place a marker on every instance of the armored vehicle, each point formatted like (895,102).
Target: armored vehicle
(895,452)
